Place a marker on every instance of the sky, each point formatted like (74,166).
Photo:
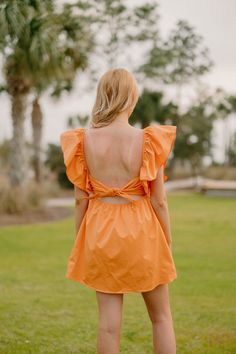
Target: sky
(214,20)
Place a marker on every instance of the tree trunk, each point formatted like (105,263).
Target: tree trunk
(37,124)
(18,152)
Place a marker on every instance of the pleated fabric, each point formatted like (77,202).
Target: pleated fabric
(120,248)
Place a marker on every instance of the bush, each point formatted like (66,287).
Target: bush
(16,200)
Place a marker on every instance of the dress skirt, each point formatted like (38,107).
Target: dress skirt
(121,248)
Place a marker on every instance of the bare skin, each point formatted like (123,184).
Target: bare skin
(157,303)
(110,319)
(157,300)
(160,205)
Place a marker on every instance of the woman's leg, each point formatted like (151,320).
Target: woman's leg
(157,303)
(110,319)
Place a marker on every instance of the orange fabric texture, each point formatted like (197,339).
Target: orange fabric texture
(120,248)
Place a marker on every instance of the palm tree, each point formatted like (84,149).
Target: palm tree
(32,43)
(25,54)
(76,43)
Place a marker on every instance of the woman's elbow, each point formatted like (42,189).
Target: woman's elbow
(81,203)
(159,203)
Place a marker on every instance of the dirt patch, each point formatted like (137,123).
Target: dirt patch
(36,216)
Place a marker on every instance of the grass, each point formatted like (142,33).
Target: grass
(42,312)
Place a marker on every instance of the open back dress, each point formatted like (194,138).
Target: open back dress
(120,248)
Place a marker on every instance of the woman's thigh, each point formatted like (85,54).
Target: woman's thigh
(110,308)
(157,303)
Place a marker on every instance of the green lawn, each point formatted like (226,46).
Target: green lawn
(43,312)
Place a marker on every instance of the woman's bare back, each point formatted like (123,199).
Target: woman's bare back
(114,155)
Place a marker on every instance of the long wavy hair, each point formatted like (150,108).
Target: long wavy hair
(117,91)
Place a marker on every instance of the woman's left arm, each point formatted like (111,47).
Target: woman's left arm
(81,206)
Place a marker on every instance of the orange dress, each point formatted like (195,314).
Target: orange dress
(120,248)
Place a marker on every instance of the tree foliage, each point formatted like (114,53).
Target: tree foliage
(41,47)
(54,161)
(179,59)
(194,140)
(151,107)
(118,28)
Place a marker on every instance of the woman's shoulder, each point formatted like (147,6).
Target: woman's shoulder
(72,148)
(71,138)
(158,143)
(161,129)
(71,142)
(157,130)
(160,137)
(71,133)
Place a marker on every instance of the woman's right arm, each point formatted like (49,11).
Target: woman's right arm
(81,206)
(160,205)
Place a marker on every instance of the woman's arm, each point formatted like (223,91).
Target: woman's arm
(160,205)
(80,207)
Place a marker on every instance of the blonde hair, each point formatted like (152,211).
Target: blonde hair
(117,91)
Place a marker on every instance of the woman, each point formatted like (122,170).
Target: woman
(123,236)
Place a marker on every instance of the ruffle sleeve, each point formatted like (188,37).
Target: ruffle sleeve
(71,142)
(158,143)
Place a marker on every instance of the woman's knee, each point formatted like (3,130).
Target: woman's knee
(111,328)
(160,317)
